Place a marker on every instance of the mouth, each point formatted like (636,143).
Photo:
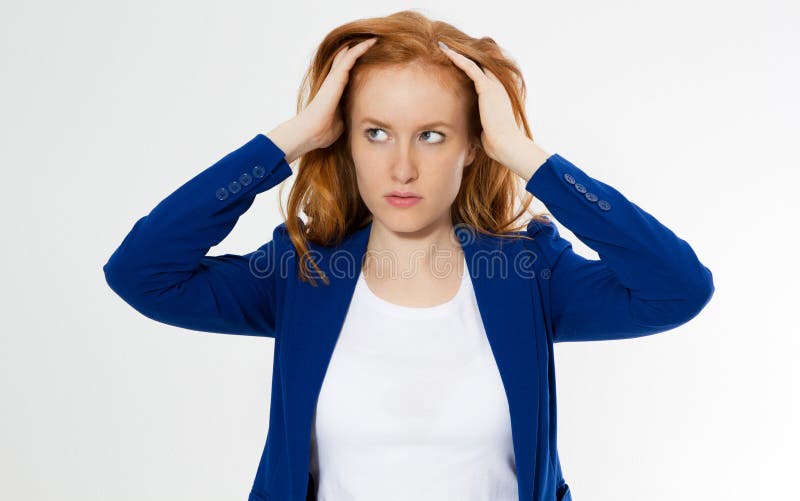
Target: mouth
(402,200)
(403,194)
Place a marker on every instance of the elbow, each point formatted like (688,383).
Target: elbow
(696,295)
(115,278)
(128,287)
(701,292)
(687,302)
(120,280)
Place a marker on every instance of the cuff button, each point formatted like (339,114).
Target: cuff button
(245,179)
(590,196)
(222,193)
(569,178)
(581,188)
(234,186)
(604,205)
(259,171)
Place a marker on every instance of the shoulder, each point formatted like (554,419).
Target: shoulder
(281,242)
(546,238)
(543,225)
(281,232)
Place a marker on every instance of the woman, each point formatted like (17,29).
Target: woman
(422,366)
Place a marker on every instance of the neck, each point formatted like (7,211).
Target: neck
(431,250)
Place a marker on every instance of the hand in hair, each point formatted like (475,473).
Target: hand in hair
(502,139)
(321,116)
(320,123)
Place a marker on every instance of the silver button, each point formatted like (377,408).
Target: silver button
(259,171)
(581,188)
(604,205)
(569,178)
(590,196)
(234,186)
(245,179)
(222,193)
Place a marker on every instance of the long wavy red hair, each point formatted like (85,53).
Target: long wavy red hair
(491,199)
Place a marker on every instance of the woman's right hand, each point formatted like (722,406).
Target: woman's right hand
(320,123)
(321,117)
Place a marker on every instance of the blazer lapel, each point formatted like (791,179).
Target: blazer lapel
(505,302)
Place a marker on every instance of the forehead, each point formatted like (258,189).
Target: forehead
(407,95)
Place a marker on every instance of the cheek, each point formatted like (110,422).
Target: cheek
(368,180)
(454,178)
(449,175)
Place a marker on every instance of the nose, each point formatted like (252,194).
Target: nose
(404,168)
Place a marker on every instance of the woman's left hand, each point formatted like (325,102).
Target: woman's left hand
(501,136)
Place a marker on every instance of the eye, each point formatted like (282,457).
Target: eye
(434,132)
(370,138)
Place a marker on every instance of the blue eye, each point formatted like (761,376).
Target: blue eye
(370,139)
(368,134)
(434,132)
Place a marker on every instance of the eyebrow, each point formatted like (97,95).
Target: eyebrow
(427,125)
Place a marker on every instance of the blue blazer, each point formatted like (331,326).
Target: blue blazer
(539,292)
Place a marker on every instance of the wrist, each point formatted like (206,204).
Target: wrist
(525,158)
(291,138)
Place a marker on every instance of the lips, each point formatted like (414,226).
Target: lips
(402,201)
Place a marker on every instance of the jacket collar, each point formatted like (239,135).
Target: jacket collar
(505,295)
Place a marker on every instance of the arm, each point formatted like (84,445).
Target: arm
(161,268)
(647,279)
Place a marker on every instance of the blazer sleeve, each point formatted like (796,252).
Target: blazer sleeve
(161,268)
(647,280)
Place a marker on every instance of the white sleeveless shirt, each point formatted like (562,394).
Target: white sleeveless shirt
(412,406)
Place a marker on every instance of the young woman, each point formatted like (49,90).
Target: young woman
(421,367)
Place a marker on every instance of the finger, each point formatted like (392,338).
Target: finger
(468,65)
(339,56)
(352,53)
(491,75)
(347,50)
(360,48)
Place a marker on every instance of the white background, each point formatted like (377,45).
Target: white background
(689,108)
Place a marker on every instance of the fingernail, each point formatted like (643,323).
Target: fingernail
(442,45)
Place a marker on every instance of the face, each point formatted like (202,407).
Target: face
(408,133)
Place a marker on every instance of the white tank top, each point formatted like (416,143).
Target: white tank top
(412,406)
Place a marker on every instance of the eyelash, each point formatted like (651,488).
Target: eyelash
(367,131)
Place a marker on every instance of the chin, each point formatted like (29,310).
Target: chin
(404,222)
